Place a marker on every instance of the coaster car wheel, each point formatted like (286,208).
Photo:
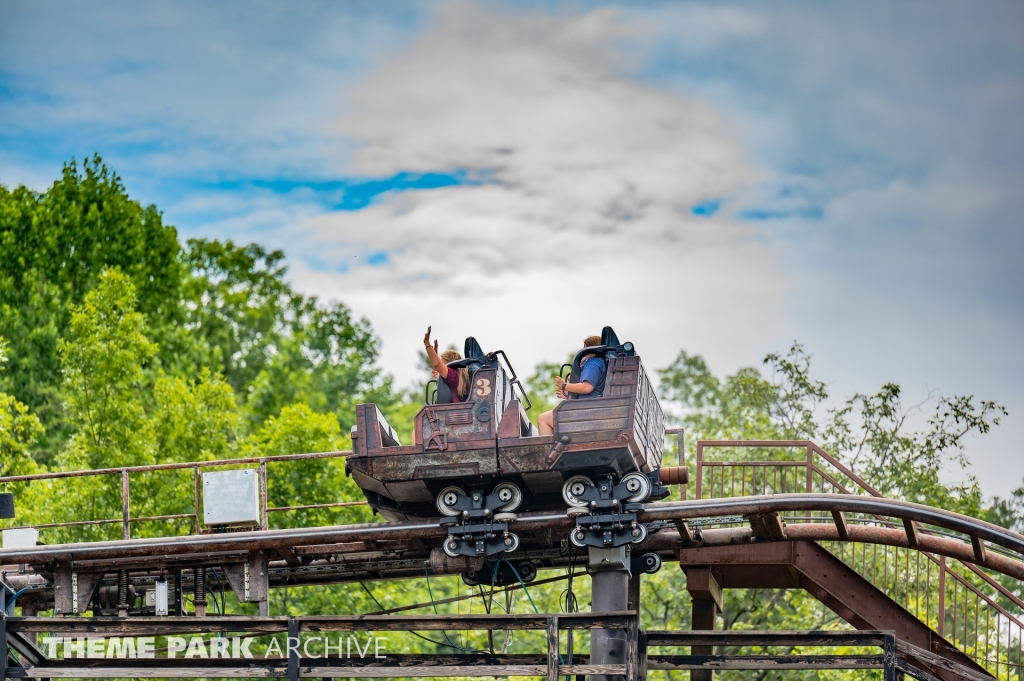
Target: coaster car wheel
(578,538)
(451,547)
(447,499)
(650,563)
(639,534)
(638,485)
(510,495)
(527,571)
(574,487)
(511,542)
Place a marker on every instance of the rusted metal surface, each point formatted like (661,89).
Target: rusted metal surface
(788,503)
(811,449)
(125,519)
(675,475)
(173,466)
(827,578)
(113,626)
(983,627)
(348,534)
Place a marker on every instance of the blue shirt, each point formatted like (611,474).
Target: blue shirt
(593,372)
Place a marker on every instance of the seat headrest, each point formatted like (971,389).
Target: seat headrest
(473,349)
(474,355)
(608,337)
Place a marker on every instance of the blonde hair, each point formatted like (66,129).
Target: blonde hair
(591,341)
(451,356)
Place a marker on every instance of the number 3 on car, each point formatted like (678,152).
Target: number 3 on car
(483,386)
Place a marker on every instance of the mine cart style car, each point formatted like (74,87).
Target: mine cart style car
(478,462)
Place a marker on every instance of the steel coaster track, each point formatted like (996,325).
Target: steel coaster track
(193,547)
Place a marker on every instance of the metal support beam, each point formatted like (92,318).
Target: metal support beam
(767,526)
(980,554)
(63,601)
(706,595)
(841,527)
(3,647)
(685,533)
(703,586)
(831,581)
(610,593)
(913,537)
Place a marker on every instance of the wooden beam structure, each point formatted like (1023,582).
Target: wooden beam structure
(295,664)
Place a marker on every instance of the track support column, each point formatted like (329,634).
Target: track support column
(706,595)
(3,647)
(609,593)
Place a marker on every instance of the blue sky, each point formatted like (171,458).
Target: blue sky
(847,174)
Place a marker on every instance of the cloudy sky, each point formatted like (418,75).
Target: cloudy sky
(720,177)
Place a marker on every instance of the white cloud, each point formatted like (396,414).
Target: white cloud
(584,217)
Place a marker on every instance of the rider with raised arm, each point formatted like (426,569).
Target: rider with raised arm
(457,379)
(591,384)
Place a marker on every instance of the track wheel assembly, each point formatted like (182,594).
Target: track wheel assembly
(606,512)
(478,523)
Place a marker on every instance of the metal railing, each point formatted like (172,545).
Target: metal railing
(783,476)
(958,600)
(125,518)
(945,600)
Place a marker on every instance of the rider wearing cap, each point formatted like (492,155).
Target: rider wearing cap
(593,370)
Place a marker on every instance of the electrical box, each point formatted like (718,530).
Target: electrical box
(20,537)
(7,505)
(231,497)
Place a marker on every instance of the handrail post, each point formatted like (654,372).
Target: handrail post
(889,658)
(196,480)
(942,596)
(553,648)
(700,467)
(810,475)
(681,447)
(264,521)
(810,469)
(126,530)
(633,668)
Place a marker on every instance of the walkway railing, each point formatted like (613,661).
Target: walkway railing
(109,479)
(958,600)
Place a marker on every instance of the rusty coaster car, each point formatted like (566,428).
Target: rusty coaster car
(476,463)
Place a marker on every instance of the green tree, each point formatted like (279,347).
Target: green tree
(103,359)
(18,431)
(53,248)
(194,419)
(237,303)
(275,346)
(871,433)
